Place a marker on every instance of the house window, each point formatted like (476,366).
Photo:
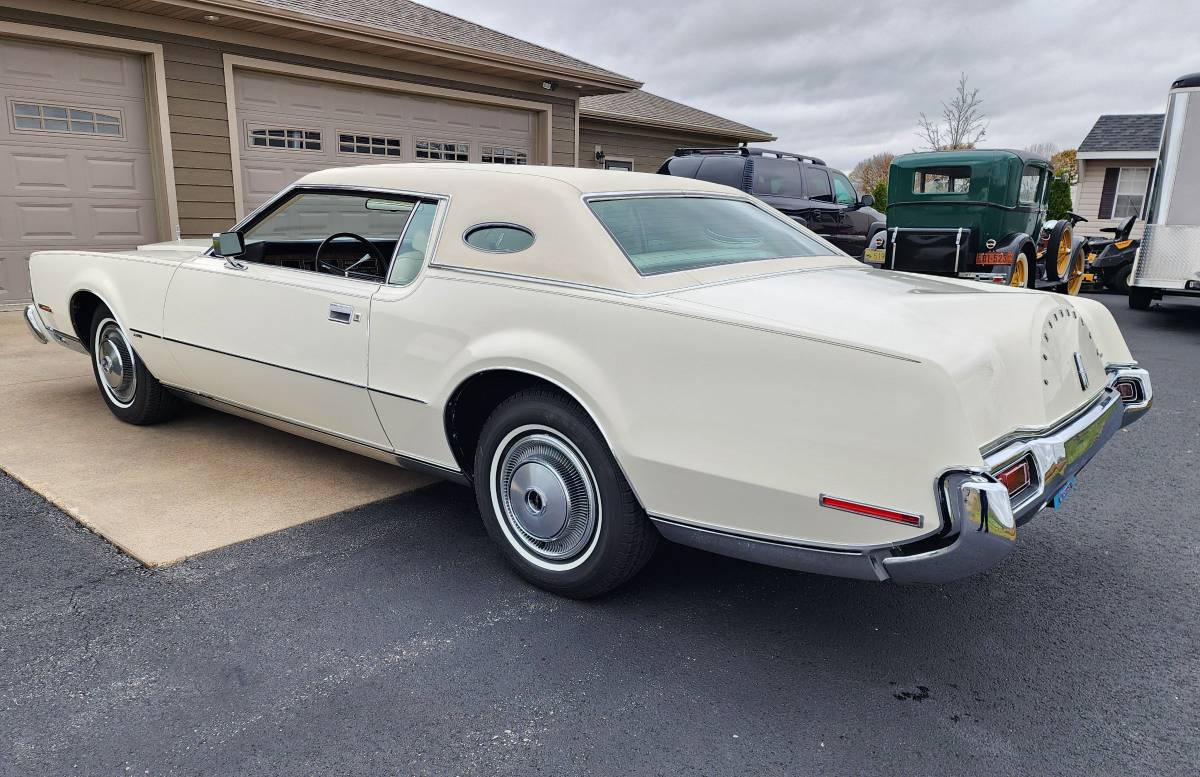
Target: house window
(283,137)
(442,150)
(505,156)
(1131,192)
(63,118)
(368,144)
(612,163)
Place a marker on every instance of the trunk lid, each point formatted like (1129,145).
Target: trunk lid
(1010,352)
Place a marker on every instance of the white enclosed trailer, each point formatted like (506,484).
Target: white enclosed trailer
(1168,261)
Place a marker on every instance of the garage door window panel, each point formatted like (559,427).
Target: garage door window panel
(284,138)
(291,233)
(501,155)
(44,117)
(370,145)
(442,151)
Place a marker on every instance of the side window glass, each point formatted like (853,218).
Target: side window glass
(777,177)
(410,257)
(843,190)
(725,170)
(1031,179)
(816,183)
(300,232)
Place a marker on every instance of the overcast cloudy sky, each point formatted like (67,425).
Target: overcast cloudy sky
(842,79)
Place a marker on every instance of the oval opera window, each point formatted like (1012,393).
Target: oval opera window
(498,238)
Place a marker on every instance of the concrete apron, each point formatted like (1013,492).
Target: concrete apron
(162,493)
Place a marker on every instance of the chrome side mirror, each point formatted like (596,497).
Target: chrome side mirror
(229,244)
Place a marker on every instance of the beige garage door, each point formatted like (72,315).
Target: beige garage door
(75,164)
(292,126)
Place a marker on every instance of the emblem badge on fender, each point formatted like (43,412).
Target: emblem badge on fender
(1082,371)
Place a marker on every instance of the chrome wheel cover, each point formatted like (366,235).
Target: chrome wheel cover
(115,363)
(545,497)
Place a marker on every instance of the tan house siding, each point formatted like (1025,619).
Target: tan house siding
(1090,188)
(648,148)
(196,103)
(200,137)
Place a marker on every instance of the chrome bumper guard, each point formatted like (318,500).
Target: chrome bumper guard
(44,334)
(36,327)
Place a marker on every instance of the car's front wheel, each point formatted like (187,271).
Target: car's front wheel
(554,499)
(129,389)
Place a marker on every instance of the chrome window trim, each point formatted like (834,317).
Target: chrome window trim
(491,224)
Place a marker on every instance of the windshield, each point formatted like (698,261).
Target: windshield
(671,234)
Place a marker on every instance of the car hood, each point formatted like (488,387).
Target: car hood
(1011,353)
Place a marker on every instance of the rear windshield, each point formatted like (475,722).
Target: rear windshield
(672,234)
(942,180)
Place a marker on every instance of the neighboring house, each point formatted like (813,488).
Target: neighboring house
(1116,160)
(132,121)
(638,131)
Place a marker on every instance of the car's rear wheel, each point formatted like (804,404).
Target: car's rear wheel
(555,501)
(129,389)
(1019,275)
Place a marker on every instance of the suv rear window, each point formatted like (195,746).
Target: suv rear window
(942,180)
(672,234)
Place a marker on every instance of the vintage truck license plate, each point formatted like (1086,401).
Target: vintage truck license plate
(875,255)
(1062,494)
(993,257)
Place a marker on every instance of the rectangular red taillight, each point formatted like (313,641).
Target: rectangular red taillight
(1016,477)
(1127,390)
(871,511)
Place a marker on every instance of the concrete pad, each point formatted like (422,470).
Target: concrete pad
(163,493)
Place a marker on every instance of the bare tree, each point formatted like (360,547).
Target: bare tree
(872,170)
(962,123)
(1046,149)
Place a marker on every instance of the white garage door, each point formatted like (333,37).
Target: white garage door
(75,164)
(292,126)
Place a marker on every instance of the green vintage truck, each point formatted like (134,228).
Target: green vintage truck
(979,214)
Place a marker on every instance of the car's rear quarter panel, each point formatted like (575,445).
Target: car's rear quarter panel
(720,425)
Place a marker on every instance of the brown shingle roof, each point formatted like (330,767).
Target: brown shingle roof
(642,107)
(415,20)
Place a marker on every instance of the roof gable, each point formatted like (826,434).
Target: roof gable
(1124,132)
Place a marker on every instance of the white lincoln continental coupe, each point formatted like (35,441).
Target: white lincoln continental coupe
(608,358)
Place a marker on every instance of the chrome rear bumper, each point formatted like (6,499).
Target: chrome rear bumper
(980,520)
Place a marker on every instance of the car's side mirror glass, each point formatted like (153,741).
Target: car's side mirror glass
(867,201)
(229,244)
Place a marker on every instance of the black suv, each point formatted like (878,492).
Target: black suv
(804,187)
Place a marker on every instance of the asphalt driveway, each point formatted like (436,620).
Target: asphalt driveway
(370,643)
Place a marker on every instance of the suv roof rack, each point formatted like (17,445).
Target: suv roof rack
(744,151)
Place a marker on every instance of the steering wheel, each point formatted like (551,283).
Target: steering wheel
(371,249)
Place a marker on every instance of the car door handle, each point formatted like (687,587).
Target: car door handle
(341,314)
